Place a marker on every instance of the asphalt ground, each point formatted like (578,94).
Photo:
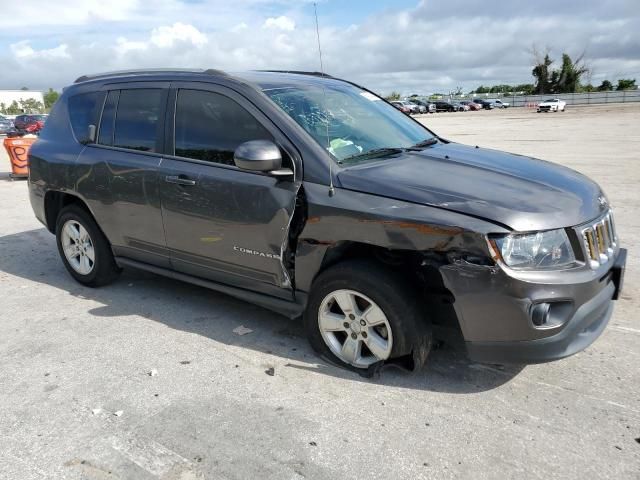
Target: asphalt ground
(77,400)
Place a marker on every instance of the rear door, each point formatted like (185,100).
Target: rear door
(223,223)
(120,179)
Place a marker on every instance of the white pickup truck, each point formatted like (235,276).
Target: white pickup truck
(552,105)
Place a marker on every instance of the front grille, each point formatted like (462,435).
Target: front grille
(600,240)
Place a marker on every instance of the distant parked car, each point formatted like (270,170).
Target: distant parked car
(30,123)
(6,125)
(418,107)
(485,104)
(471,105)
(428,106)
(413,108)
(460,107)
(401,106)
(498,103)
(442,106)
(552,105)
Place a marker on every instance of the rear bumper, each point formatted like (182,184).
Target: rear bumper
(495,313)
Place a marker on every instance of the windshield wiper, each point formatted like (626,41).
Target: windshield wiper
(426,143)
(376,152)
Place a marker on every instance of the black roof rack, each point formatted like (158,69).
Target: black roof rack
(299,72)
(148,71)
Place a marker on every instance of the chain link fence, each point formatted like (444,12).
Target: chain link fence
(591,98)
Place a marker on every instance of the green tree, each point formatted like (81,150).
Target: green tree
(30,105)
(588,88)
(13,109)
(500,89)
(481,89)
(566,79)
(50,98)
(525,88)
(605,86)
(393,96)
(626,84)
(24,88)
(541,72)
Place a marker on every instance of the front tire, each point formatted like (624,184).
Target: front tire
(360,315)
(85,251)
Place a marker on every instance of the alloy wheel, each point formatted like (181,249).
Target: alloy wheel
(355,328)
(78,247)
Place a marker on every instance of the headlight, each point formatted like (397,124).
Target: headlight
(535,251)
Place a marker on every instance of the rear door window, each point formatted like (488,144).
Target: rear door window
(137,122)
(84,110)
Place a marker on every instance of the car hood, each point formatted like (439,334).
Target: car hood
(519,192)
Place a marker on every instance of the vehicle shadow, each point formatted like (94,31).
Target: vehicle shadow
(214,315)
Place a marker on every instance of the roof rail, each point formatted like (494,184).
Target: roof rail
(299,72)
(149,71)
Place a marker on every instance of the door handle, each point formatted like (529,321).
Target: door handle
(179,180)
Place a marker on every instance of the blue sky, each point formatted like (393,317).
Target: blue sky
(413,46)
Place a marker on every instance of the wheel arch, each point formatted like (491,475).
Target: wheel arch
(55,201)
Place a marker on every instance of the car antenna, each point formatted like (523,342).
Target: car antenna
(332,190)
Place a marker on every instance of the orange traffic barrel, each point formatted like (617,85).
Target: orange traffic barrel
(18,150)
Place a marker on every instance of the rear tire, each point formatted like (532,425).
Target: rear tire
(85,251)
(360,315)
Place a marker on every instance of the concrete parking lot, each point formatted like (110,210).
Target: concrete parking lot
(77,399)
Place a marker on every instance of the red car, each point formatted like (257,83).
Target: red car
(30,123)
(402,107)
(472,105)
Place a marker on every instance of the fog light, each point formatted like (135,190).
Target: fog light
(540,314)
(553,314)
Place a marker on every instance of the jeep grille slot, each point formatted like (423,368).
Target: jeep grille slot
(600,240)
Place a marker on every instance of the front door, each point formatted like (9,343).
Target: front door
(223,223)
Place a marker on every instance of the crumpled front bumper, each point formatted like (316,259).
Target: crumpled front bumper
(494,310)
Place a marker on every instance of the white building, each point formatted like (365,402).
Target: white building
(9,96)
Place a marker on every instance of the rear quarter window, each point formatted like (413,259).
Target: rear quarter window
(84,110)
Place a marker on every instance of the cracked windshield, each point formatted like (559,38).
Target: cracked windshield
(352,124)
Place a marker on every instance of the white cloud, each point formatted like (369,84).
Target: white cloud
(239,27)
(417,50)
(123,45)
(68,12)
(177,33)
(24,50)
(281,23)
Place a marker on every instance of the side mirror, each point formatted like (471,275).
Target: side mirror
(260,156)
(92,133)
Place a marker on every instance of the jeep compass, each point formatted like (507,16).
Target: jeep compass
(313,197)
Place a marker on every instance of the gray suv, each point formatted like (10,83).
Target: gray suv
(312,196)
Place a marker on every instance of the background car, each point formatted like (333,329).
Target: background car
(401,106)
(459,107)
(6,125)
(471,105)
(421,108)
(425,107)
(413,108)
(498,103)
(485,104)
(442,106)
(29,123)
(552,105)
